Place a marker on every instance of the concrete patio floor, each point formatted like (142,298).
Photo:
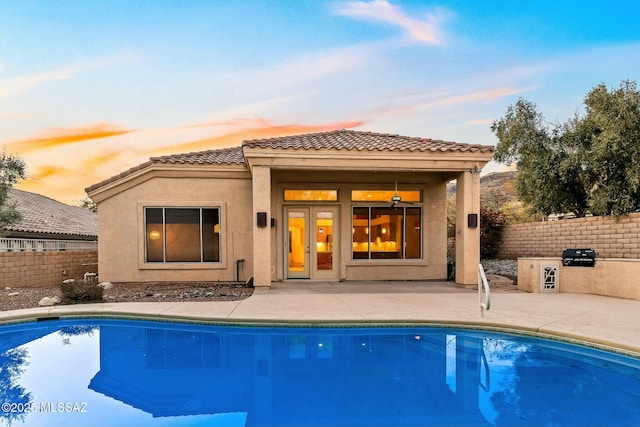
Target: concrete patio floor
(602,321)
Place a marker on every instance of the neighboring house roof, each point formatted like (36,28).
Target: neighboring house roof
(43,217)
(347,140)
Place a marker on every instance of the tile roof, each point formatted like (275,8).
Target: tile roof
(46,216)
(351,140)
(348,140)
(222,156)
(209,157)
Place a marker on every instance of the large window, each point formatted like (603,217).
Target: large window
(386,232)
(182,234)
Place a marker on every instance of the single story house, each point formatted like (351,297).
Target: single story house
(337,205)
(47,224)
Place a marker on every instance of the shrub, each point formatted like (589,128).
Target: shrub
(81,291)
(491,223)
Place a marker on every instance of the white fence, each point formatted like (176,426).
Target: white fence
(40,245)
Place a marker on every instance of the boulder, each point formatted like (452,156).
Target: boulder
(49,301)
(105,285)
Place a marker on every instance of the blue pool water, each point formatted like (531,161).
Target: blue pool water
(123,372)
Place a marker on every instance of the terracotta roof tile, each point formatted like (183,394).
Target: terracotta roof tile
(350,140)
(117,177)
(222,156)
(45,216)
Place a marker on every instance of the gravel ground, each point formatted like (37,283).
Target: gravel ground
(501,267)
(17,298)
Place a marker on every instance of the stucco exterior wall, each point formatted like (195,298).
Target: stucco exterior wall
(121,229)
(609,277)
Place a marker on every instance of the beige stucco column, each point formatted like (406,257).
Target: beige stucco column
(261,234)
(467,236)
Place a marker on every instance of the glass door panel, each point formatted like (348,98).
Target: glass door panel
(310,252)
(324,240)
(325,250)
(297,243)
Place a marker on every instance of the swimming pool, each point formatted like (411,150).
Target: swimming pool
(103,372)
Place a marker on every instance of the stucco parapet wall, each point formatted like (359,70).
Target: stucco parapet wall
(614,277)
(125,181)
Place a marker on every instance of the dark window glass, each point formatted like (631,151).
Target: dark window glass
(155,234)
(182,234)
(413,227)
(210,235)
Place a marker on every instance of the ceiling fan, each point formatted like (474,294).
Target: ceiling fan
(396,199)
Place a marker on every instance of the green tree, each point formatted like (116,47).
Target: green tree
(12,168)
(587,165)
(89,204)
(549,177)
(612,125)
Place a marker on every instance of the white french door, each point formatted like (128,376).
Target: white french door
(309,247)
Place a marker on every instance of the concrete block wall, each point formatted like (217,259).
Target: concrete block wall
(610,237)
(36,269)
(609,277)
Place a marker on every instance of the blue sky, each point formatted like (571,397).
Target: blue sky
(89,89)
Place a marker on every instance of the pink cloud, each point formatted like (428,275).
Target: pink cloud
(424,30)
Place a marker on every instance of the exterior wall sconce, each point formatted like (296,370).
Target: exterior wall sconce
(261,219)
(472,220)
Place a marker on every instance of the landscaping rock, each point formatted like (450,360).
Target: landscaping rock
(106,285)
(49,301)
(501,267)
(29,297)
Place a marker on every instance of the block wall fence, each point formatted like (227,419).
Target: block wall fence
(35,269)
(610,237)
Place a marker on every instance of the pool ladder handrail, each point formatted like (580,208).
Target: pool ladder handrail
(483,284)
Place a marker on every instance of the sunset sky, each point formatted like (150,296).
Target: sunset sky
(89,89)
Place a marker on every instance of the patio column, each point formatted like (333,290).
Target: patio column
(467,228)
(261,226)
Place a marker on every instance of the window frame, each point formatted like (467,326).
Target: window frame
(369,243)
(173,264)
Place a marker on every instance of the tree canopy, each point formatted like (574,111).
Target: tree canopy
(88,204)
(12,168)
(589,164)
